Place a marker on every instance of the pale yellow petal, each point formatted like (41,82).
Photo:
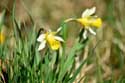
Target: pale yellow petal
(58,38)
(88,12)
(92,31)
(42,45)
(41,38)
(84,34)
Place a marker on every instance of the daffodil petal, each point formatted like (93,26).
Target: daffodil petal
(59,29)
(41,38)
(85,34)
(88,12)
(58,38)
(42,45)
(92,31)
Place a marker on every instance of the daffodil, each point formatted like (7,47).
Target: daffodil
(50,38)
(88,21)
(1,38)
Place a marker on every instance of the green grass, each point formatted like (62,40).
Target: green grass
(23,63)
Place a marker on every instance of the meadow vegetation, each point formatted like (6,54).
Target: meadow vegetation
(62,41)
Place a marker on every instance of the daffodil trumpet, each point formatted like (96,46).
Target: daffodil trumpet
(51,39)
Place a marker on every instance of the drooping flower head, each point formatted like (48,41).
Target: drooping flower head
(88,20)
(50,39)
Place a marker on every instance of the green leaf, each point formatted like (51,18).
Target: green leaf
(2,19)
(68,63)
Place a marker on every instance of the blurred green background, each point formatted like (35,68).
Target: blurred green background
(108,44)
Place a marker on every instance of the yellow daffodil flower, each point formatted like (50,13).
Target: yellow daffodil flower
(51,39)
(2,38)
(88,21)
